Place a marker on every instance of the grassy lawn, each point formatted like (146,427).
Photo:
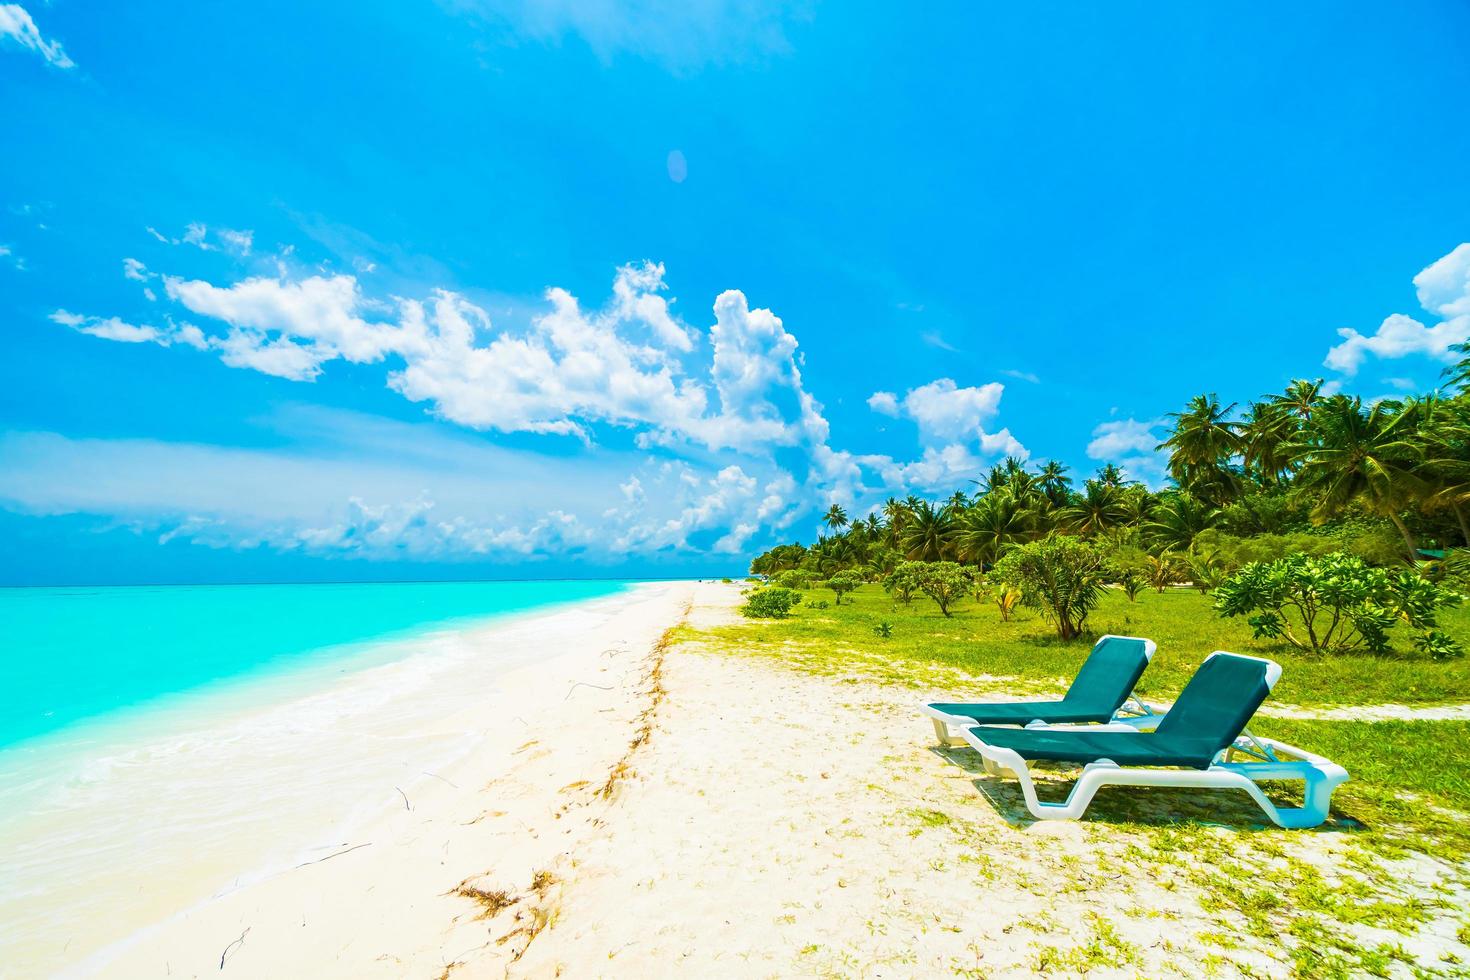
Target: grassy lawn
(975,640)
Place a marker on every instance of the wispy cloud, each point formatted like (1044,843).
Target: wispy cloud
(933,339)
(16,24)
(679,34)
(1026,376)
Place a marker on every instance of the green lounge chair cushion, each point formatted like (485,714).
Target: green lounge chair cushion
(1124,748)
(1102,685)
(1211,712)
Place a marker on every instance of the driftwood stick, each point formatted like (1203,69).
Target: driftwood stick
(336,854)
(578,684)
(405,799)
(238,942)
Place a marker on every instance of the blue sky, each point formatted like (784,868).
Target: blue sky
(479,288)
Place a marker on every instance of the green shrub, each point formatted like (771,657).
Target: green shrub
(840,586)
(1336,604)
(794,578)
(945,582)
(903,581)
(726,581)
(1061,576)
(1132,584)
(883,630)
(772,602)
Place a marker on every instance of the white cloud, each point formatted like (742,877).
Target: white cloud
(1131,444)
(1444,287)
(135,270)
(680,34)
(730,399)
(196,233)
(884,403)
(1026,376)
(1444,290)
(346,485)
(934,339)
(112,328)
(1113,440)
(16,24)
(946,412)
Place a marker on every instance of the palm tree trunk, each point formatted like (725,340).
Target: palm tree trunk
(1464,525)
(1398,522)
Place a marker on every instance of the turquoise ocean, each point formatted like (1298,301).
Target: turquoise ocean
(71,654)
(160,744)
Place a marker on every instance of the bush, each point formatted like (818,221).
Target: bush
(903,581)
(945,582)
(884,630)
(1006,598)
(1061,576)
(772,602)
(726,581)
(794,578)
(1132,584)
(840,586)
(1164,570)
(1336,604)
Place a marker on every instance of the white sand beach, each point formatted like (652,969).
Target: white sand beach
(634,808)
(325,829)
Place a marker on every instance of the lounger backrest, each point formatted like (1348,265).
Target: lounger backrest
(1108,675)
(1220,698)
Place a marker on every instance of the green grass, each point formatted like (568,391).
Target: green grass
(1430,758)
(975,640)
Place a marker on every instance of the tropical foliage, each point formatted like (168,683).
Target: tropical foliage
(1061,576)
(1336,604)
(771,602)
(1298,472)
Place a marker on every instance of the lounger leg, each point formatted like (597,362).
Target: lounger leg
(941,732)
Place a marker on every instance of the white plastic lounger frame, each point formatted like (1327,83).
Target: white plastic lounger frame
(1269,760)
(1133,709)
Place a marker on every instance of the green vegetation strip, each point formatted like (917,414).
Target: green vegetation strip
(925,647)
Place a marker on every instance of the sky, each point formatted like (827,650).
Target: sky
(501,289)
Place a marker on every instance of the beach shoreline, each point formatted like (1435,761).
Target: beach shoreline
(555,665)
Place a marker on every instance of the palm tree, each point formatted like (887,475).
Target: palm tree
(1099,508)
(1054,481)
(1267,433)
(1368,456)
(1459,373)
(1300,398)
(1201,446)
(1178,519)
(994,524)
(1110,475)
(958,501)
(929,533)
(1445,431)
(835,517)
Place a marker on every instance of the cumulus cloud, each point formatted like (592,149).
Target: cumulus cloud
(1131,444)
(1111,440)
(884,403)
(1443,290)
(949,418)
(17,25)
(733,389)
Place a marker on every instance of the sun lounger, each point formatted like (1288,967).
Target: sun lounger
(1200,742)
(1097,695)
